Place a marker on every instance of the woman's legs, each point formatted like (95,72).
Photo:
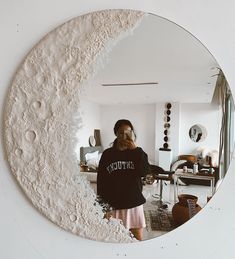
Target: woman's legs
(132,217)
(137,232)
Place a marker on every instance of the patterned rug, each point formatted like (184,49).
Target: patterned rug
(159,220)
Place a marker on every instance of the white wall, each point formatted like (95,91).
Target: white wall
(25,233)
(142,116)
(207,115)
(148,121)
(183,116)
(90,115)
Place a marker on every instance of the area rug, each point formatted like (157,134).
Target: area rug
(159,220)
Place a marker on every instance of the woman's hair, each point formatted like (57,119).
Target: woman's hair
(120,123)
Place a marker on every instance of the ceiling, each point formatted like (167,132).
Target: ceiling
(157,51)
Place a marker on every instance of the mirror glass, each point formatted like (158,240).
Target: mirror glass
(161,63)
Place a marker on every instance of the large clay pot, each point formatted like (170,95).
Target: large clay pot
(181,211)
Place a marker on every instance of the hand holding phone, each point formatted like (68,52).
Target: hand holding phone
(125,141)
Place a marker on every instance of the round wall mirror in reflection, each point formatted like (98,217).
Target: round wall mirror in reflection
(92,141)
(197,133)
(106,66)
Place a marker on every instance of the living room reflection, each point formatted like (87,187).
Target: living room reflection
(170,87)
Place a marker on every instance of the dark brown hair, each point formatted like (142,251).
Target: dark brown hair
(120,123)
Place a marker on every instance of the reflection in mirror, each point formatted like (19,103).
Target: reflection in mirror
(197,133)
(161,63)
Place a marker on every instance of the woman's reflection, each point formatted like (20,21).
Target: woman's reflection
(119,178)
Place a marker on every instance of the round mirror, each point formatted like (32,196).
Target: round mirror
(92,141)
(106,66)
(197,133)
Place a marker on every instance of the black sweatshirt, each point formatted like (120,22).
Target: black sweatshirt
(119,177)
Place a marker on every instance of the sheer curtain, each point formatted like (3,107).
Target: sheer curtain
(227,124)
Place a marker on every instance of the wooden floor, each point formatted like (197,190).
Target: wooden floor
(150,191)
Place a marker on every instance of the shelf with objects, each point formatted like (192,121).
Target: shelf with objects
(203,169)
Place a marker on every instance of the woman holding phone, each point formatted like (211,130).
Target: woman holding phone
(119,178)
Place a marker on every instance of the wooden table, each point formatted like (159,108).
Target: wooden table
(180,174)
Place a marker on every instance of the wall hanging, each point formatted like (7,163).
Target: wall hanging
(39,121)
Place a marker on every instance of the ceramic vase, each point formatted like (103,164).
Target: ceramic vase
(187,207)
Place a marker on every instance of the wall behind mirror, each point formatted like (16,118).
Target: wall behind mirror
(56,237)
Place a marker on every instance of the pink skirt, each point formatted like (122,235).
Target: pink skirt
(131,218)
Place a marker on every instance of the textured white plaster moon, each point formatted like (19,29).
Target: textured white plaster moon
(41,116)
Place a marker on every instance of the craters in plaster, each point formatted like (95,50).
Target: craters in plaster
(36,105)
(25,181)
(73,217)
(38,53)
(56,218)
(42,101)
(18,152)
(31,68)
(42,79)
(27,155)
(72,52)
(30,135)
(59,218)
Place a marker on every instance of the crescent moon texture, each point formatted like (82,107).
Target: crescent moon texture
(42,113)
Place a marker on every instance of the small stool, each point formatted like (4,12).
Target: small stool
(161,175)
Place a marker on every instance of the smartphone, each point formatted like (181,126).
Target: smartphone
(128,134)
(125,135)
